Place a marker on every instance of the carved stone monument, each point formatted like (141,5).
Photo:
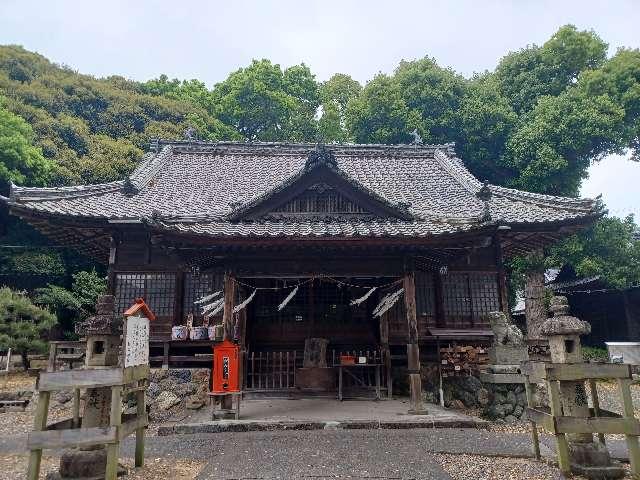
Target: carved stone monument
(507,351)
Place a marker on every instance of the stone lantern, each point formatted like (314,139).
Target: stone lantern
(102,332)
(563,331)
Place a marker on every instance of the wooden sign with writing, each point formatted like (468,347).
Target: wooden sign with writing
(136,341)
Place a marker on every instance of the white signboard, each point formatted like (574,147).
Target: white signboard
(136,343)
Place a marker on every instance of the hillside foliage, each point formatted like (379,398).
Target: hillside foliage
(536,122)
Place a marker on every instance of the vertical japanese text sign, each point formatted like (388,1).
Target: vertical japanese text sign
(136,334)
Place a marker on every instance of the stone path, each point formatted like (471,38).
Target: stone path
(363,454)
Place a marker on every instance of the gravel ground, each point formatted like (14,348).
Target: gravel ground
(432,454)
(14,467)
(464,467)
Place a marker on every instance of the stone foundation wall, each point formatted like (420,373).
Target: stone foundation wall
(176,389)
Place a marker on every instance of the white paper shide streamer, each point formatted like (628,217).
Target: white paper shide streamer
(288,299)
(358,301)
(387,302)
(212,306)
(208,297)
(239,307)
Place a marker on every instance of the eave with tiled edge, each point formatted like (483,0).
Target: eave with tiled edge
(154,163)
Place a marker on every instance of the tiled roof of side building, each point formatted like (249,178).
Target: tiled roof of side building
(200,187)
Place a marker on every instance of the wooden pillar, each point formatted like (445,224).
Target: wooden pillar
(502,277)
(439,298)
(226,401)
(413,350)
(229,299)
(111,273)
(386,352)
(178,306)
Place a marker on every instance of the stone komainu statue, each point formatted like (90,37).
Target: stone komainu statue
(505,332)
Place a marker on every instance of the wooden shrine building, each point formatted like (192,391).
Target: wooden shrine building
(334,221)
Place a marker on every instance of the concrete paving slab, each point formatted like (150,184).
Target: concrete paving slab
(319,414)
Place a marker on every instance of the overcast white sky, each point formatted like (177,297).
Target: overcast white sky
(208,39)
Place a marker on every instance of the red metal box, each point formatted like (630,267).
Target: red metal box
(226,367)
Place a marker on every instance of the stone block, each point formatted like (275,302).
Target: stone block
(507,354)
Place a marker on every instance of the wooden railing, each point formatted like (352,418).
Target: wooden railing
(276,370)
(272,370)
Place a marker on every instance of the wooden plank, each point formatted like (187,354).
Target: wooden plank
(142,415)
(133,374)
(53,353)
(632,441)
(115,420)
(39,424)
(596,406)
(534,426)
(69,379)
(76,408)
(132,424)
(604,425)
(545,420)
(77,437)
(585,371)
(561,440)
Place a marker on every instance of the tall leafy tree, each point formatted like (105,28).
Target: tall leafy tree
(262,102)
(536,71)
(23,325)
(335,94)
(20,161)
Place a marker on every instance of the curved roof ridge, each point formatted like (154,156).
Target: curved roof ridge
(553,201)
(149,168)
(191,146)
(456,169)
(34,194)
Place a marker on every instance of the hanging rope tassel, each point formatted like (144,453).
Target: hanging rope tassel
(288,299)
(363,298)
(237,308)
(389,302)
(208,297)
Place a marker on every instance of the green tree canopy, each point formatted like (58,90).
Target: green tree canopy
(23,325)
(20,161)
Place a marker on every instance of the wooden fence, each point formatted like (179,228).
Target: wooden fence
(272,370)
(276,370)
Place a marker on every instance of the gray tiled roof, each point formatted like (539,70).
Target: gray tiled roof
(196,187)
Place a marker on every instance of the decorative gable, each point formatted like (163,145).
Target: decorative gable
(320,189)
(320,199)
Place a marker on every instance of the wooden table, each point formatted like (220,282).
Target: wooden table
(237,395)
(342,367)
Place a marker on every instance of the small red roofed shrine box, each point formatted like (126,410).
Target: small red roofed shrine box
(226,367)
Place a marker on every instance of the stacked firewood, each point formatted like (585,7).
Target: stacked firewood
(462,359)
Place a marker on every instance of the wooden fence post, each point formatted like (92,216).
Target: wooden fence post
(632,440)
(39,424)
(115,420)
(140,413)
